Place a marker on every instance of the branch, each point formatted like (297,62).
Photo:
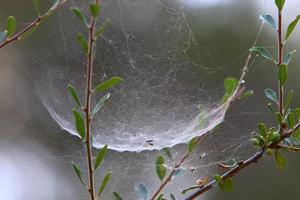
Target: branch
(32,25)
(87,109)
(243,164)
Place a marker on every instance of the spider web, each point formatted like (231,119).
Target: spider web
(164,87)
(169,78)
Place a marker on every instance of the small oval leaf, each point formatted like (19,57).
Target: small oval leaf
(279,160)
(282,74)
(99,104)
(271,95)
(100,156)
(73,93)
(79,123)
(108,84)
(263,52)
(79,14)
(78,173)
(161,169)
(291,27)
(3,36)
(104,183)
(83,43)
(287,59)
(141,191)
(280,4)
(268,19)
(95,10)
(11,25)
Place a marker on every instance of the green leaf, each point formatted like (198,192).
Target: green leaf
(117,196)
(3,36)
(141,191)
(83,43)
(289,99)
(226,185)
(282,74)
(95,10)
(78,173)
(79,122)
(102,28)
(263,52)
(100,156)
(279,160)
(230,84)
(262,129)
(11,25)
(105,85)
(99,104)
(73,93)
(104,183)
(79,14)
(37,6)
(291,119)
(161,169)
(268,19)
(190,188)
(279,4)
(291,27)
(172,196)
(192,144)
(271,95)
(287,59)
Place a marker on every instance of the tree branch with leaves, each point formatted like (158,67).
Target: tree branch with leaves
(84,124)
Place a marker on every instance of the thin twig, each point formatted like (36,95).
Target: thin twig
(279,61)
(87,109)
(32,25)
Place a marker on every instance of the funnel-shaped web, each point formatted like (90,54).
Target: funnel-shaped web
(165,98)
